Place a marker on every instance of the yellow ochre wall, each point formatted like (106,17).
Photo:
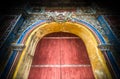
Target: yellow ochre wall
(96,57)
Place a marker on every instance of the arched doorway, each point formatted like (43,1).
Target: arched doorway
(31,36)
(61,55)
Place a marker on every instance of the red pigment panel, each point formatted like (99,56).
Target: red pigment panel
(77,73)
(47,52)
(66,58)
(44,73)
(73,51)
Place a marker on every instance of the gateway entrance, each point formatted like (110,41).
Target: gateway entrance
(61,55)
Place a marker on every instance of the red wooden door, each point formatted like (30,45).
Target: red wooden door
(61,56)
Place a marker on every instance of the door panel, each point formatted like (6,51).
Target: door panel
(73,51)
(61,56)
(44,73)
(77,73)
(47,52)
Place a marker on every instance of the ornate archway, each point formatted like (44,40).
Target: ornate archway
(91,38)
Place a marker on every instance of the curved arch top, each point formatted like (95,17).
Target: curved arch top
(92,28)
(29,29)
(40,22)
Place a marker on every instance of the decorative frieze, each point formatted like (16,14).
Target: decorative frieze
(105,47)
(17,47)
